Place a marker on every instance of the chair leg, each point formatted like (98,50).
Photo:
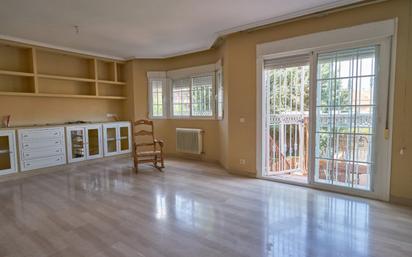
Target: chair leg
(155,161)
(162,161)
(136,165)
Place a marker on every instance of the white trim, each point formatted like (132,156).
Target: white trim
(62,48)
(382,33)
(294,15)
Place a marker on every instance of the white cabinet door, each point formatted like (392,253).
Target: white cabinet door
(117,138)
(94,147)
(124,138)
(76,144)
(8,159)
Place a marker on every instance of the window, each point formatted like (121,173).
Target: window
(186,93)
(220,95)
(157,93)
(202,92)
(193,97)
(181,97)
(157,96)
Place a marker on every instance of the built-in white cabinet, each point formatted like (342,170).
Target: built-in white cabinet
(41,147)
(8,155)
(84,142)
(117,138)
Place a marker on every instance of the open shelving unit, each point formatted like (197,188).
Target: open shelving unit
(40,72)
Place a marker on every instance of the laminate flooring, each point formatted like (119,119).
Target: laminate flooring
(103,209)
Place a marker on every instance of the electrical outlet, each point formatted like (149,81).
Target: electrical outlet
(242,162)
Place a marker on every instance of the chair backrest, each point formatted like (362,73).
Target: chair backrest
(143,134)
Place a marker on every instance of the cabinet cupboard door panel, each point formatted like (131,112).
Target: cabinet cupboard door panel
(110,140)
(94,142)
(8,160)
(76,144)
(124,139)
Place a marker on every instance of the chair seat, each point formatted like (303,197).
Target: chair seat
(148,153)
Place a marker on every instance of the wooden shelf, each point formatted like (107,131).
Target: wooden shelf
(111,82)
(62,96)
(65,78)
(40,72)
(16,73)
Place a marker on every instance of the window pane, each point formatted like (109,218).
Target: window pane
(181,97)
(157,97)
(202,91)
(346,103)
(219,85)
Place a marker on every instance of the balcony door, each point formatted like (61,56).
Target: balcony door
(326,118)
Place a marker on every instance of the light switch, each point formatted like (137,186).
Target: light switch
(242,120)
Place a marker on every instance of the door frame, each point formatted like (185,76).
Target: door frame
(377,33)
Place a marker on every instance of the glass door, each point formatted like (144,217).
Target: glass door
(110,139)
(76,144)
(327,119)
(7,154)
(287,115)
(94,142)
(346,101)
(351,148)
(124,131)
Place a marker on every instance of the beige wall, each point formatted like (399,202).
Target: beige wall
(41,110)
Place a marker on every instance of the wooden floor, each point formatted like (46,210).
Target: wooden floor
(192,209)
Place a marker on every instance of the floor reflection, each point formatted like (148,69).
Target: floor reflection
(192,209)
(313,224)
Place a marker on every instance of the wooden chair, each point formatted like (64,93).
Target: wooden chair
(147,149)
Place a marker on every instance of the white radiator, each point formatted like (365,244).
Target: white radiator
(189,140)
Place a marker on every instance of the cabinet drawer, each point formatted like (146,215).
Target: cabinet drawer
(38,134)
(43,143)
(43,162)
(42,152)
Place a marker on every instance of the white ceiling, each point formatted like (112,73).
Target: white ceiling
(142,28)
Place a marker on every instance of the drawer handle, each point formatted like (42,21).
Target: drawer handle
(25,135)
(26,145)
